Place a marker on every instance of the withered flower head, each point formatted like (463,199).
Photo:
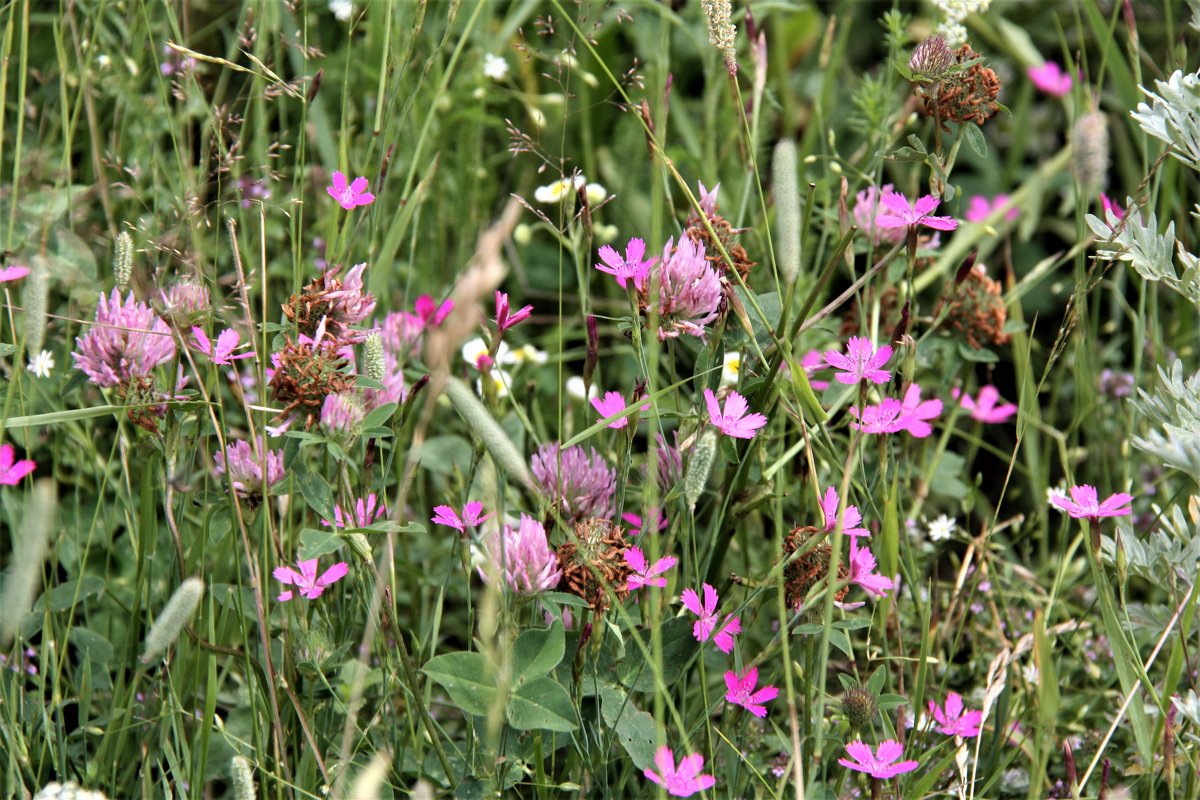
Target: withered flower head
(342,304)
(305,372)
(811,567)
(977,309)
(966,92)
(726,234)
(597,548)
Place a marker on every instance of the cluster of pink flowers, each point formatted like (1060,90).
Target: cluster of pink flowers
(249,468)
(912,414)
(125,343)
(578,481)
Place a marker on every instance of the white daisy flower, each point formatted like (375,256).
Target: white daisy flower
(575,388)
(499,378)
(731,370)
(494,67)
(41,364)
(941,529)
(342,9)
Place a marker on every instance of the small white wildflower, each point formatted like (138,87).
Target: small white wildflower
(575,388)
(941,529)
(731,370)
(595,193)
(1030,672)
(499,378)
(554,192)
(475,349)
(1055,491)
(342,9)
(41,364)
(527,354)
(494,67)
(103,60)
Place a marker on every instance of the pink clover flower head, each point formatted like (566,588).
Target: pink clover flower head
(915,413)
(430,312)
(1085,503)
(883,763)
(689,291)
(349,196)
(13,273)
(350,303)
(645,573)
(867,210)
(523,557)
(12,470)
(631,267)
(342,414)
(472,515)
(980,208)
(733,420)
(813,362)
(128,340)
(740,691)
(613,403)
(986,407)
(706,626)
(851,517)
(1050,78)
(708,199)
(952,719)
(862,571)
(578,481)
(305,579)
(861,362)
(366,511)
(400,330)
(222,351)
(245,466)
(903,214)
(682,781)
(505,317)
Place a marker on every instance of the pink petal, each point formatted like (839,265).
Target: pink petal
(333,574)
(13,273)
(889,751)
(202,343)
(287,575)
(940,223)
(860,752)
(636,559)
(710,599)
(926,205)
(359,186)
(339,181)
(898,204)
(691,602)
(735,406)
(664,759)
(714,408)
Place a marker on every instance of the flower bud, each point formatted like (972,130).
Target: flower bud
(169,625)
(704,451)
(859,706)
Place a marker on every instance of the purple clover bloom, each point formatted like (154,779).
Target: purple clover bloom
(128,340)
(579,481)
(522,556)
(245,466)
(689,291)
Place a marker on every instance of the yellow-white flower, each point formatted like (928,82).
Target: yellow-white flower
(595,193)
(475,349)
(575,388)
(526,354)
(555,192)
(500,379)
(941,529)
(731,370)
(41,364)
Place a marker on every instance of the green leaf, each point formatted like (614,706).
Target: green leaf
(379,416)
(975,138)
(316,492)
(468,678)
(679,647)
(1043,655)
(95,646)
(980,356)
(634,727)
(536,652)
(7,349)
(947,480)
(541,704)
(62,598)
(316,543)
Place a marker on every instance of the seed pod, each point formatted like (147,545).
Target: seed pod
(169,625)
(123,259)
(859,705)
(704,451)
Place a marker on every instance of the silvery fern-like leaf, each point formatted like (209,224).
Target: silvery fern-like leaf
(1174,116)
(1150,253)
(1174,410)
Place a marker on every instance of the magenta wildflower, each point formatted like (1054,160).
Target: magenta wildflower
(740,691)
(631,267)
(366,511)
(471,516)
(733,421)
(245,466)
(861,362)
(505,317)
(646,574)
(11,470)
(578,481)
(222,351)
(985,408)
(522,557)
(13,273)
(430,312)
(654,515)
(911,214)
(1085,503)
(352,196)
(881,418)
(915,413)
(979,208)
(952,719)
(867,211)
(1107,204)
(613,403)
(1050,78)
(683,781)
(851,516)
(882,764)
(305,579)
(689,291)
(128,340)
(704,628)
(862,571)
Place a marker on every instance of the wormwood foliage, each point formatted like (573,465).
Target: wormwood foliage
(599,399)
